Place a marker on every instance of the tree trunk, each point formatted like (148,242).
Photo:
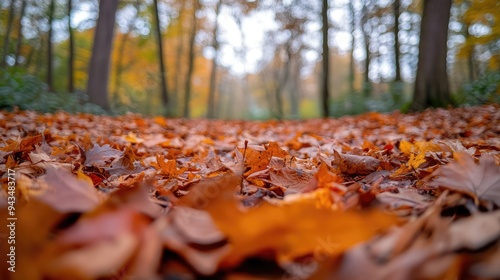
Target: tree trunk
(325,94)
(20,32)
(6,39)
(431,84)
(97,87)
(189,75)
(50,64)
(178,58)
(294,89)
(213,73)
(71,54)
(470,56)
(351,52)
(119,67)
(367,88)
(163,72)
(396,41)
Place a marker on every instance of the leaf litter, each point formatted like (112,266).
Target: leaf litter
(376,196)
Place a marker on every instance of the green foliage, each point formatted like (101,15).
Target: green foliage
(482,91)
(26,92)
(355,103)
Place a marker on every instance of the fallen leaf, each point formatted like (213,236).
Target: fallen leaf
(480,181)
(100,156)
(67,193)
(287,230)
(354,164)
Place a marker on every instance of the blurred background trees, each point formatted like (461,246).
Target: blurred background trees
(246,58)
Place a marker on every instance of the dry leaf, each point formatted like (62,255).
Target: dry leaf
(100,156)
(480,181)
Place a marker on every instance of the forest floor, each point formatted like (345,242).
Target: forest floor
(375,196)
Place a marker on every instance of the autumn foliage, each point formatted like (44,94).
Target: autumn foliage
(376,196)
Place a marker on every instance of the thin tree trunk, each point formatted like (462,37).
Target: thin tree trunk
(119,67)
(10,19)
(277,96)
(396,41)
(97,87)
(325,93)
(366,38)
(119,63)
(163,72)
(189,75)
(431,83)
(20,32)
(50,64)
(213,73)
(269,95)
(282,81)
(351,52)
(244,80)
(470,57)
(71,54)
(294,89)
(29,57)
(178,58)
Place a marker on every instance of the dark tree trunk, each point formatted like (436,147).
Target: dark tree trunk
(325,93)
(20,32)
(6,39)
(50,64)
(396,41)
(163,72)
(71,54)
(213,73)
(431,84)
(97,87)
(189,75)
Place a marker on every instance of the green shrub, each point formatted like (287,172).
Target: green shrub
(482,91)
(25,91)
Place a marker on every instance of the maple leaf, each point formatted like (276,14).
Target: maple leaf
(256,160)
(168,167)
(417,151)
(276,150)
(480,181)
(99,156)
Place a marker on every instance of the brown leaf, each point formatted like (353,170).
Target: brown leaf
(100,156)
(66,193)
(354,164)
(293,180)
(480,181)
